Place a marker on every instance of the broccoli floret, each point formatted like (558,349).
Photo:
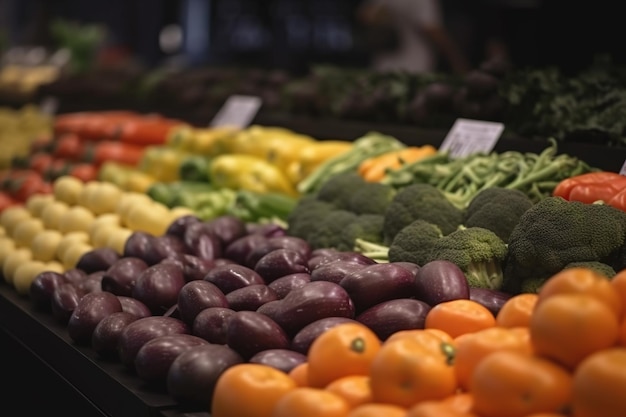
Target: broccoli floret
(497,209)
(477,251)
(339,188)
(307,215)
(365,226)
(555,232)
(599,267)
(420,201)
(414,242)
(371,198)
(532,285)
(328,232)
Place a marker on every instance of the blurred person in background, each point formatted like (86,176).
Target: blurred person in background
(410,35)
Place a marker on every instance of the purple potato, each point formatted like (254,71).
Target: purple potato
(193,374)
(92,282)
(134,306)
(211,324)
(197,295)
(155,357)
(158,286)
(105,336)
(177,227)
(74,275)
(250,297)
(492,299)
(265,229)
(97,259)
(239,249)
(283,285)
(319,258)
(282,359)
(195,268)
(89,311)
(314,301)
(227,228)
(230,277)
(271,244)
(42,288)
(249,333)
(139,245)
(64,300)
(335,271)
(140,331)
(439,281)
(201,241)
(376,283)
(393,316)
(280,262)
(302,340)
(120,278)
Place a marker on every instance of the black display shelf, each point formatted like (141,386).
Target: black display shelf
(49,373)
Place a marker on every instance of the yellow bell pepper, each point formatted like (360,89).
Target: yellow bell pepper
(309,157)
(162,162)
(248,172)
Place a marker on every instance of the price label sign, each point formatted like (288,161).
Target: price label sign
(238,111)
(467,137)
(49,105)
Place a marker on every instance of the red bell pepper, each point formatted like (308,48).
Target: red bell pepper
(591,187)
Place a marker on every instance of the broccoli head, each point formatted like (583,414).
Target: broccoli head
(338,189)
(497,209)
(414,242)
(477,251)
(420,201)
(328,232)
(599,267)
(555,232)
(307,215)
(365,226)
(371,198)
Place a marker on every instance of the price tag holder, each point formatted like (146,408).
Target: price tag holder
(49,105)
(467,137)
(238,111)
(622,171)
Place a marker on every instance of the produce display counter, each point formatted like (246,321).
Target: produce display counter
(45,373)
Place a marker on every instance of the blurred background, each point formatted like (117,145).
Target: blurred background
(293,34)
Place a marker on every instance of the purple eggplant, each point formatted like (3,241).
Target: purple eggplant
(211,324)
(282,359)
(158,286)
(281,262)
(393,316)
(302,340)
(42,288)
(197,295)
(97,259)
(91,308)
(120,277)
(283,285)
(440,280)
(335,271)
(106,334)
(250,332)
(250,297)
(230,277)
(492,299)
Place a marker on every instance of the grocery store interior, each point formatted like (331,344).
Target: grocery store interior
(142,140)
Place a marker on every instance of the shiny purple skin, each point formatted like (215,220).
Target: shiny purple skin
(179,226)
(140,331)
(92,282)
(249,333)
(140,245)
(120,277)
(90,310)
(376,283)
(227,228)
(492,299)
(282,359)
(134,306)
(335,271)
(293,243)
(105,336)
(195,268)
(411,266)
(301,342)
(97,259)
(158,286)
(280,262)
(230,277)
(64,300)
(393,316)
(155,357)
(239,249)
(197,295)
(439,281)
(166,246)
(283,285)
(250,297)
(321,257)
(193,374)
(42,288)
(74,275)
(265,229)
(314,301)
(201,241)
(211,324)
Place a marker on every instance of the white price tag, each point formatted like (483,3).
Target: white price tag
(468,137)
(49,105)
(623,170)
(238,111)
